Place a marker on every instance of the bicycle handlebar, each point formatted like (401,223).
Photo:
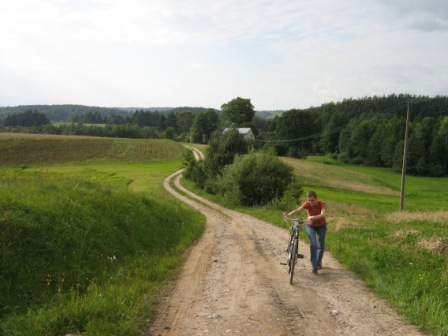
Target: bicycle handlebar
(294,220)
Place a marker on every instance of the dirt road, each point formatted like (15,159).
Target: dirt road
(233,283)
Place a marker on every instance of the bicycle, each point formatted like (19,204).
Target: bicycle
(293,244)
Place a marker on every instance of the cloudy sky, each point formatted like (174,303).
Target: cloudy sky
(281,54)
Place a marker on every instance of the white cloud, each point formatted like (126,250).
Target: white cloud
(280,53)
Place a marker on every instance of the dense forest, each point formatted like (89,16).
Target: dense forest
(370,131)
(367,131)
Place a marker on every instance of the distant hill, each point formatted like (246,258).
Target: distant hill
(269,114)
(61,113)
(351,107)
(150,109)
(189,109)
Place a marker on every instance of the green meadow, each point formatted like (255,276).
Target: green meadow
(88,234)
(402,256)
(87,240)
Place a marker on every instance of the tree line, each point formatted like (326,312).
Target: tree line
(367,131)
(370,131)
(61,113)
(29,118)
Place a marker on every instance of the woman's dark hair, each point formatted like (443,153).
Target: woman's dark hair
(311,193)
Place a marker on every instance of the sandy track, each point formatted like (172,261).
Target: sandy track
(233,283)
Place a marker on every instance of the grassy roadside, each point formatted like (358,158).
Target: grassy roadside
(85,246)
(402,256)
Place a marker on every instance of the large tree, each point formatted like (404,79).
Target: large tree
(237,112)
(184,121)
(222,150)
(294,130)
(439,149)
(331,131)
(204,124)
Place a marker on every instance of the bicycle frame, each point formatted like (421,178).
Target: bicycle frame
(293,245)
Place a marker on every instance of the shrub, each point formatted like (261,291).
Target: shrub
(195,172)
(343,157)
(436,170)
(357,160)
(291,196)
(255,179)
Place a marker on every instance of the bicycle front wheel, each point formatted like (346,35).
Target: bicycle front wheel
(295,249)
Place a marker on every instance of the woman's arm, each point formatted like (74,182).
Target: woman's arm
(321,215)
(295,211)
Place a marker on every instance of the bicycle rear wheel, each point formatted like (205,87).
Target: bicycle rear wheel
(292,265)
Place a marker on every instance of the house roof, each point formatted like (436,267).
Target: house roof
(243,130)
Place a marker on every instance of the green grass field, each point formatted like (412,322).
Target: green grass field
(85,244)
(402,256)
(104,186)
(377,189)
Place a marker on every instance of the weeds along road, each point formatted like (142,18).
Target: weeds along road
(233,283)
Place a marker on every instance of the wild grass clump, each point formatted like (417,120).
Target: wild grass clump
(429,217)
(78,256)
(403,263)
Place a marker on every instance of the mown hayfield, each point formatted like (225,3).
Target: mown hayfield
(45,149)
(334,177)
(376,189)
(87,233)
(12,135)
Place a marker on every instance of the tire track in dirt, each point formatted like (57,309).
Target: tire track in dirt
(233,283)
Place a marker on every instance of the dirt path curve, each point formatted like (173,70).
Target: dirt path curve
(233,283)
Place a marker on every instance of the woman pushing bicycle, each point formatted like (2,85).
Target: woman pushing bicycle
(316,227)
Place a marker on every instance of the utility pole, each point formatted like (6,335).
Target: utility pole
(405,153)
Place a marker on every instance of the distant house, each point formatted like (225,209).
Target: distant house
(246,133)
